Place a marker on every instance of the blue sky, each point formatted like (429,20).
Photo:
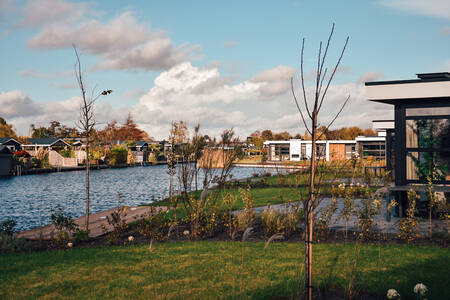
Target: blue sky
(221,63)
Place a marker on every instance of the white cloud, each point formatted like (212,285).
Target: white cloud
(430,8)
(275,81)
(275,74)
(203,95)
(16,103)
(122,43)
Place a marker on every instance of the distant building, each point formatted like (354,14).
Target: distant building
(297,150)
(11,143)
(34,144)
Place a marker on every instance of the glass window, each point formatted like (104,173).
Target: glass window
(420,165)
(428,111)
(428,133)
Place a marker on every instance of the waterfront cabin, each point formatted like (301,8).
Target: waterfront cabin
(6,161)
(422,130)
(34,144)
(11,143)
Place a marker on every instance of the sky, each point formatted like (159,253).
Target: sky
(222,64)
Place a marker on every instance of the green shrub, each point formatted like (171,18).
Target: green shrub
(11,244)
(35,162)
(67,153)
(154,227)
(7,227)
(118,156)
(65,225)
(80,235)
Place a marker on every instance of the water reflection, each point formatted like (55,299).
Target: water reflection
(30,199)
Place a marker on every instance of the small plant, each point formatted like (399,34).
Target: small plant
(230,199)
(153,226)
(323,222)
(420,289)
(370,206)
(392,294)
(245,219)
(118,223)
(7,227)
(271,221)
(64,224)
(11,244)
(408,226)
(348,208)
(80,235)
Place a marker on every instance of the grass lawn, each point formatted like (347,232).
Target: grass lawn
(203,270)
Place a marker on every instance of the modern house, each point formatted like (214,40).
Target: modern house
(371,147)
(330,150)
(422,129)
(11,143)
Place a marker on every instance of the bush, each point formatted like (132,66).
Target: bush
(275,222)
(35,162)
(118,223)
(67,153)
(245,219)
(21,153)
(80,235)
(154,226)
(7,227)
(65,225)
(11,244)
(118,156)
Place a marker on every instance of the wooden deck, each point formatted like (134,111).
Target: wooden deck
(95,222)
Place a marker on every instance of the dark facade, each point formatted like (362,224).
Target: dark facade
(421,138)
(11,143)
(6,161)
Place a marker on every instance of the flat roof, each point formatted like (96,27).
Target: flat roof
(422,77)
(428,86)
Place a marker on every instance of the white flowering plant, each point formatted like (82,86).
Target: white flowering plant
(420,289)
(392,294)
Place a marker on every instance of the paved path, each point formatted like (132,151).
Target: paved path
(381,219)
(95,222)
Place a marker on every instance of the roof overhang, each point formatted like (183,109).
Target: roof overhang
(393,92)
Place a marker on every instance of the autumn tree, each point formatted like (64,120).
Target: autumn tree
(282,136)
(267,135)
(129,131)
(6,130)
(309,109)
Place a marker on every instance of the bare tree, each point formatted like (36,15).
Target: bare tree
(306,113)
(86,121)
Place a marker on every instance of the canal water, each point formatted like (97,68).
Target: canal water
(30,199)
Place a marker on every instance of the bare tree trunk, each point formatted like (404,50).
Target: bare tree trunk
(86,224)
(310,209)
(311,202)
(86,122)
